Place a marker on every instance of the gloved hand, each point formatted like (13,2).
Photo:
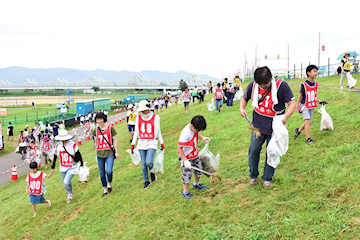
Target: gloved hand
(132,149)
(162,147)
(187,164)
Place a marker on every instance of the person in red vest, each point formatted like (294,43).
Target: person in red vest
(106,150)
(69,155)
(268,96)
(307,102)
(219,94)
(186,99)
(188,152)
(36,186)
(147,130)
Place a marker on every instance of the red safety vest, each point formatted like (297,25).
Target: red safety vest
(65,159)
(35,184)
(218,93)
(194,144)
(146,128)
(266,107)
(311,95)
(101,143)
(46,146)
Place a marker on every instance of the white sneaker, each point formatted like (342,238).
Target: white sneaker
(69,198)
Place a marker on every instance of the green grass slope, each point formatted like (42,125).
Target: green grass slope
(314,195)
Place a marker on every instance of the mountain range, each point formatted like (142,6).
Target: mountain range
(22,75)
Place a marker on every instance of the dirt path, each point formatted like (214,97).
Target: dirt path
(6,161)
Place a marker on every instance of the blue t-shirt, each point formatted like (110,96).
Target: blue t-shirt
(302,90)
(263,123)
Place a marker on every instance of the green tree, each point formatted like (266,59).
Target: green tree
(183,85)
(95,88)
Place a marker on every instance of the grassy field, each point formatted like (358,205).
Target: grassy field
(314,195)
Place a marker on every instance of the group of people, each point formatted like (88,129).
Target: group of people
(269,97)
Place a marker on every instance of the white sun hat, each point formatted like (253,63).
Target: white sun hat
(63,135)
(143,106)
(130,106)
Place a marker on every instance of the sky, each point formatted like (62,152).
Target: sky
(204,37)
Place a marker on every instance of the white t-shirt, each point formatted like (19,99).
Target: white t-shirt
(185,136)
(162,102)
(144,144)
(156,103)
(70,148)
(37,174)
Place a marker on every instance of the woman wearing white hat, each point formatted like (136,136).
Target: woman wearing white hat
(69,155)
(131,119)
(147,130)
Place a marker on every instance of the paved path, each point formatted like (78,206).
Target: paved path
(6,161)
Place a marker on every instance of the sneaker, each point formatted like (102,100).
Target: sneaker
(109,189)
(310,141)
(146,184)
(267,184)
(49,203)
(297,133)
(68,198)
(153,177)
(104,194)
(253,181)
(187,195)
(199,186)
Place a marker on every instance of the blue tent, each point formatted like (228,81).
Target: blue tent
(352,54)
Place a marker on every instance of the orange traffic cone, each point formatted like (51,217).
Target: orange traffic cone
(14,175)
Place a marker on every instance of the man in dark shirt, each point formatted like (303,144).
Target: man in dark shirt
(263,116)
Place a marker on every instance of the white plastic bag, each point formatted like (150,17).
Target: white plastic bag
(351,80)
(279,142)
(158,166)
(135,157)
(239,94)
(214,161)
(326,121)
(211,106)
(84,172)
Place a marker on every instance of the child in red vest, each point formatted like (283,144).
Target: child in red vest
(188,152)
(219,94)
(307,102)
(36,186)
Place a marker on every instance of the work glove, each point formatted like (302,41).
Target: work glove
(187,164)
(162,147)
(132,149)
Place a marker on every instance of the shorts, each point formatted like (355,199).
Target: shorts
(131,128)
(308,114)
(186,104)
(36,199)
(187,173)
(22,150)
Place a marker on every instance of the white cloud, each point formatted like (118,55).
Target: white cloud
(198,36)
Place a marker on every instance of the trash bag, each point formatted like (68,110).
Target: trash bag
(351,80)
(326,121)
(210,162)
(84,172)
(135,157)
(158,166)
(239,94)
(279,142)
(211,106)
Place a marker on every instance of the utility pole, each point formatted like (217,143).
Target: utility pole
(288,61)
(319,52)
(256,56)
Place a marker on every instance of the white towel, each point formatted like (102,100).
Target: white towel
(273,94)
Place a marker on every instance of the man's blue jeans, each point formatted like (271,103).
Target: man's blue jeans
(106,174)
(254,157)
(219,103)
(147,157)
